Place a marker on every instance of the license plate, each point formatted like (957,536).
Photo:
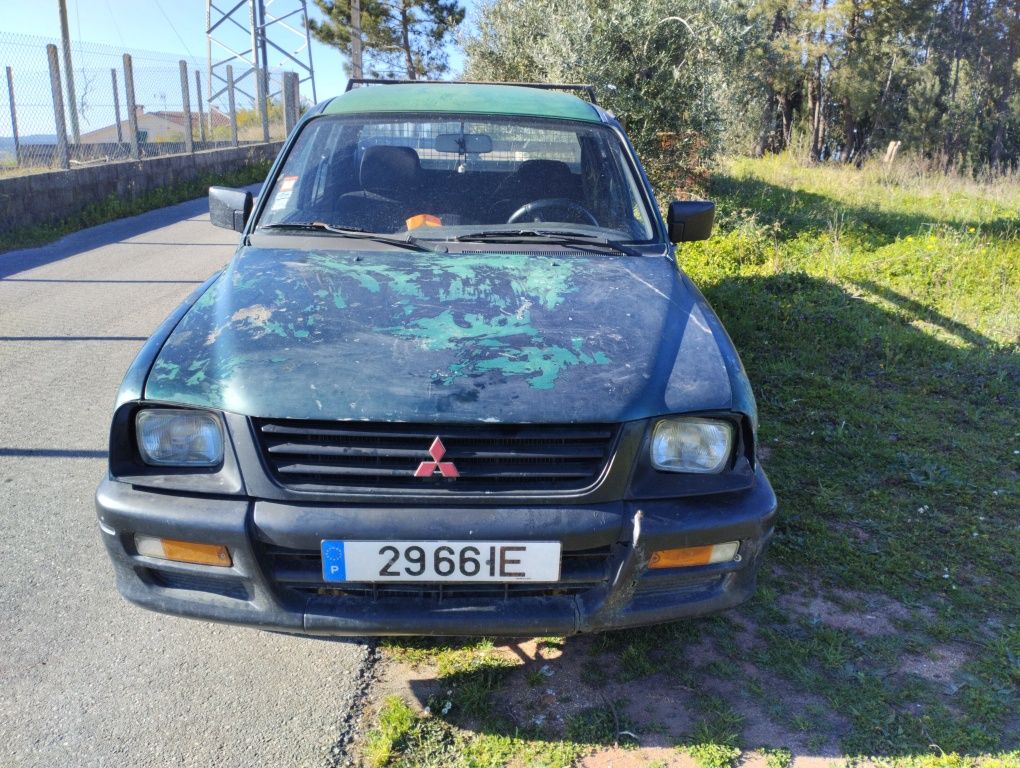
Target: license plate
(440,560)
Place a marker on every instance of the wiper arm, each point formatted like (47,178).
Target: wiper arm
(555,236)
(355,233)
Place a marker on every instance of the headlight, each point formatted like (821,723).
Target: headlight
(691,445)
(179,438)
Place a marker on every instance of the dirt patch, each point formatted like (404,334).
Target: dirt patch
(760,714)
(658,694)
(545,691)
(854,532)
(549,684)
(415,686)
(857,612)
(938,664)
(757,760)
(554,684)
(529,651)
(746,631)
(618,757)
(821,741)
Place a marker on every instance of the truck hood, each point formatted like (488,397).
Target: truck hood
(437,337)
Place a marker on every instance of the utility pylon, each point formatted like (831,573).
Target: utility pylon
(255,36)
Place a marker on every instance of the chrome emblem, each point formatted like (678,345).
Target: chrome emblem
(429,468)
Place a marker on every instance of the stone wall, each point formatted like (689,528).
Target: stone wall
(49,198)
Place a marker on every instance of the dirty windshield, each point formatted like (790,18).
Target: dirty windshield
(448,178)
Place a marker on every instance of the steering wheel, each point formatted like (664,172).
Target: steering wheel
(563,203)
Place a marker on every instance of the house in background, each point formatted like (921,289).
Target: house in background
(156,126)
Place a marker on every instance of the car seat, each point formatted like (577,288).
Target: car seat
(390,180)
(535,180)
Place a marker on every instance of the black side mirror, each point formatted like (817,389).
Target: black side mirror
(229,208)
(690,220)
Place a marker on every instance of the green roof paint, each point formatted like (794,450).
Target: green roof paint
(463,99)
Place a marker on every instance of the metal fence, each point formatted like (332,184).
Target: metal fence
(109,104)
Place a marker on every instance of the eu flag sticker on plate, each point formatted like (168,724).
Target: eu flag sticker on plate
(334,568)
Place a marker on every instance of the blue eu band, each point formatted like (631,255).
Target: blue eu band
(333,565)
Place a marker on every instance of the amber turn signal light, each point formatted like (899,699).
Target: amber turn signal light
(685,557)
(183,551)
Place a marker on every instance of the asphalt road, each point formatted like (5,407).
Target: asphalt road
(87,679)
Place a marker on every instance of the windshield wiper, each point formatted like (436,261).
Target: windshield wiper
(554,236)
(355,233)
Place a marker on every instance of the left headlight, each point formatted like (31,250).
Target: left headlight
(688,444)
(169,437)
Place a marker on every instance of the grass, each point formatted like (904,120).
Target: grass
(114,207)
(878,315)
(710,754)
(395,721)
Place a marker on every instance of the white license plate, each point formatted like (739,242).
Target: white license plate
(440,560)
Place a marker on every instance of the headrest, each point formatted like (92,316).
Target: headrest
(386,170)
(544,172)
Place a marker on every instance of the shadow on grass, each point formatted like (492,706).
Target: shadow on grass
(891,453)
(918,311)
(800,212)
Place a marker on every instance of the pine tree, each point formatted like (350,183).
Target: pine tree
(400,38)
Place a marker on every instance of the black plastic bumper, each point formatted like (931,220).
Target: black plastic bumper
(246,594)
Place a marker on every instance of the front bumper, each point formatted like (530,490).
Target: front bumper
(249,593)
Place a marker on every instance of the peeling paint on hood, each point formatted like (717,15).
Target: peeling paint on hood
(462,337)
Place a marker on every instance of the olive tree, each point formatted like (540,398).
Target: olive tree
(659,65)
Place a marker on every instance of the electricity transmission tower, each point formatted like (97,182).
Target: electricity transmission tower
(247,35)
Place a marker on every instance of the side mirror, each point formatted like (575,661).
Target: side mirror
(229,208)
(690,220)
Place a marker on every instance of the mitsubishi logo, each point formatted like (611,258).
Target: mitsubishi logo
(429,468)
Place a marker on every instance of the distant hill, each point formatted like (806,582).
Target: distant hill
(7,142)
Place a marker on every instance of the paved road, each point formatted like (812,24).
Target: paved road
(86,679)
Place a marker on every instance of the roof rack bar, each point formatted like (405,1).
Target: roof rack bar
(588,90)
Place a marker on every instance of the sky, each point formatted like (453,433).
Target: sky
(173,26)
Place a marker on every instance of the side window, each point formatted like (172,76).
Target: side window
(605,190)
(309,174)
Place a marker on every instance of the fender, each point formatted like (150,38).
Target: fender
(133,385)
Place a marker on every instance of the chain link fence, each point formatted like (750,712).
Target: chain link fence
(112,104)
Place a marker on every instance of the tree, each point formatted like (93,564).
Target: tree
(840,78)
(400,38)
(658,64)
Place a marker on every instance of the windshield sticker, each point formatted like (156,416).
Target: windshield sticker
(280,201)
(288,183)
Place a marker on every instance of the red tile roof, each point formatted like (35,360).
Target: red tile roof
(218,118)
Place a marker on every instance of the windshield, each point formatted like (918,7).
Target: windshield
(444,177)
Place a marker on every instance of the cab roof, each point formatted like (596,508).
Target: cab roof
(463,98)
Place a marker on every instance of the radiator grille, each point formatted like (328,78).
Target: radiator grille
(365,457)
(299,572)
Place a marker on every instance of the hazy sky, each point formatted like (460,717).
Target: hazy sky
(176,26)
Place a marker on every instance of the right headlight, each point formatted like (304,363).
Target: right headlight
(690,444)
(171,437)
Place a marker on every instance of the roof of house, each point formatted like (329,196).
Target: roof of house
(172,117)
(178,117)
(462,98)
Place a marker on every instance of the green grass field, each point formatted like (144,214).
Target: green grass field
(878,315)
